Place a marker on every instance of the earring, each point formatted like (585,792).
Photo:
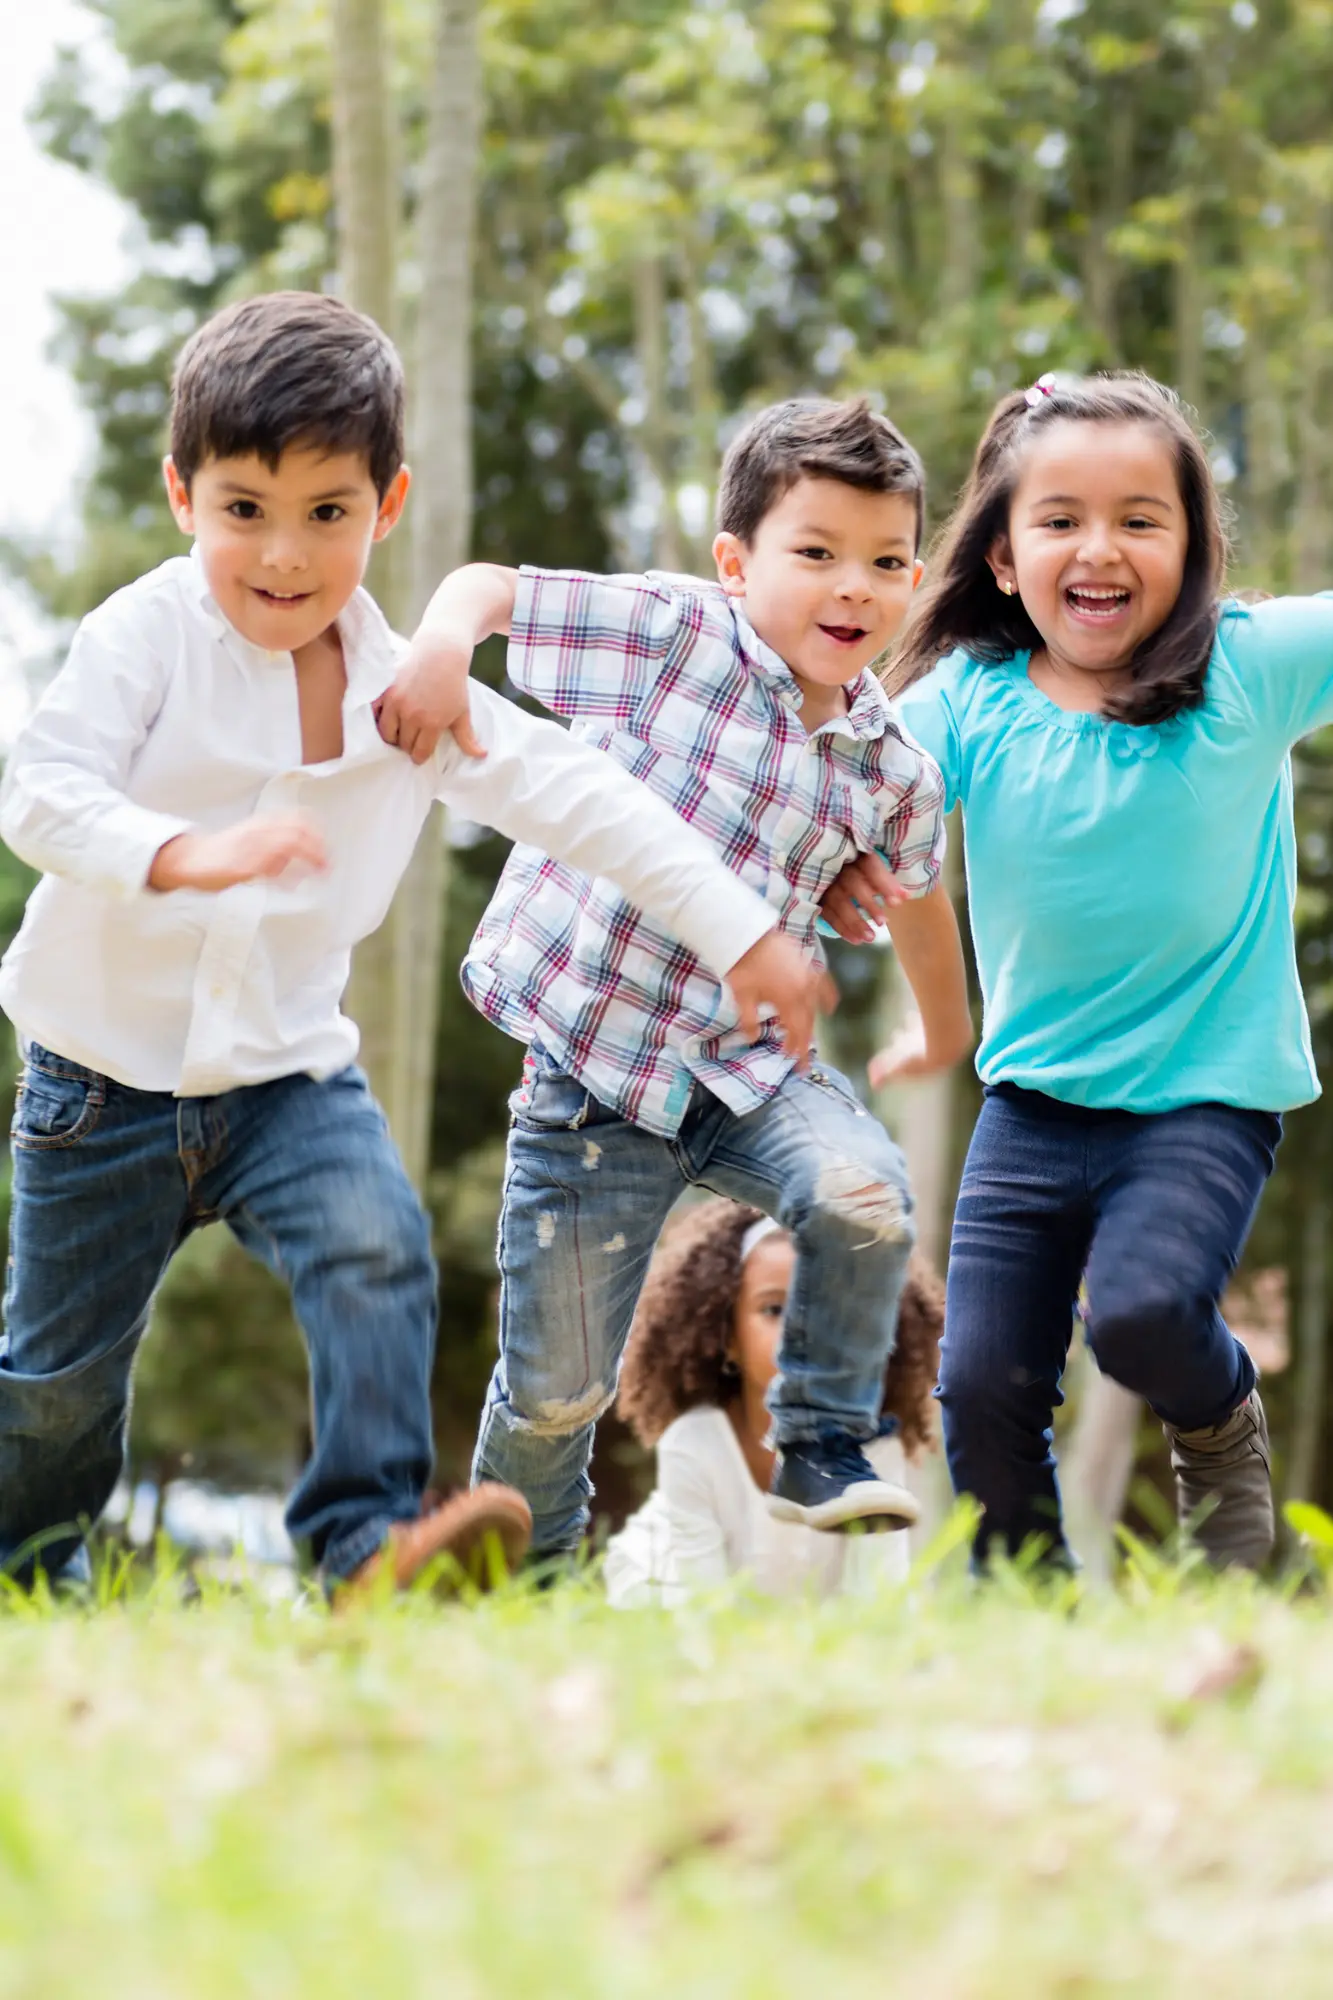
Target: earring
(1008,588)
(731,1373)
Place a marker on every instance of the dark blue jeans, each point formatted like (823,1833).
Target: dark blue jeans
(1154,1212)
(108,1182)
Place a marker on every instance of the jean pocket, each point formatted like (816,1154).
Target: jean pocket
(549,1101)
(56,1108)
(837,1085)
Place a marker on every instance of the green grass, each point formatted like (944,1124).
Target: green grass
(937,1794)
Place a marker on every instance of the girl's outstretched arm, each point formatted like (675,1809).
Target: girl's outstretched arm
(925,937)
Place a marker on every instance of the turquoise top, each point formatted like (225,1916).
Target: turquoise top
(1131,889)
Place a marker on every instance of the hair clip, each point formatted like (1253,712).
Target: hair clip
(1043,386)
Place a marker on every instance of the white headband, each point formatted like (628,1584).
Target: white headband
(758,1233)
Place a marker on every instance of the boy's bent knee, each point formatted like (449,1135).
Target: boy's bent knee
(560,1416)
(877,1209)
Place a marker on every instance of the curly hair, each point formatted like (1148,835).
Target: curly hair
(676,1357)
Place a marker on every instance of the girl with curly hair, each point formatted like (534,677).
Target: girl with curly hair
(700,1358)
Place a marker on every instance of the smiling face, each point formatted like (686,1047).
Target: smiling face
(283,550)
(826,580)
(1096,545)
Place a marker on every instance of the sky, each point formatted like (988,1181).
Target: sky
(58,232)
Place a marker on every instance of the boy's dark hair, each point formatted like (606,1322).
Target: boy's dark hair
(813,439)
(960,603)
(676,1356)
(288,369)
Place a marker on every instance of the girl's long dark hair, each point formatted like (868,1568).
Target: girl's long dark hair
(961,604)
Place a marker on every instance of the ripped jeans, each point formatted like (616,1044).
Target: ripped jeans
(108,1182)
(585,1196)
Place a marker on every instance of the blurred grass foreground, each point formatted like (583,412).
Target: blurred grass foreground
(938,1793)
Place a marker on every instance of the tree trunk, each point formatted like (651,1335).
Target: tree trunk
(363,176)
(367,216)
(441,518)
(1268,458)
(1311,1350)
(654,439)
(395,981)
(958,193)
(1098,1464)
(1314,471)
(1189,311)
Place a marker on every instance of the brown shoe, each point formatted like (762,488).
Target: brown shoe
(1224,1493)
(473,1529)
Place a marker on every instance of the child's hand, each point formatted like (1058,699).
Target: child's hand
(775,973)
(429,698)
(909,1057)
(864,891)
(255,850)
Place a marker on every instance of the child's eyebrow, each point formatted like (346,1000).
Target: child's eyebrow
(1129,500)
(810,531)
(243,492)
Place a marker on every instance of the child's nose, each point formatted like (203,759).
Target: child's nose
(285,550)
(1099,544)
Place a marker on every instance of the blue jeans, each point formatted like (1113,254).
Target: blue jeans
(1153,1211)
(585,1196)
(108,1182)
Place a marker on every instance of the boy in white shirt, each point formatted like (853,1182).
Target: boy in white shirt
(218,822)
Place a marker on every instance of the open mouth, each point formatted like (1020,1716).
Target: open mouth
(282,600)
(1097,601)
(844,635)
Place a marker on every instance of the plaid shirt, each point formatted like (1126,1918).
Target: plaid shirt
(666,674)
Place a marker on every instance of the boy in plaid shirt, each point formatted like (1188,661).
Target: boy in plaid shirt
(748,704)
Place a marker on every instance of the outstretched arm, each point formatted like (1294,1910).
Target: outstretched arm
(541,785)
(429,695)
(925,937)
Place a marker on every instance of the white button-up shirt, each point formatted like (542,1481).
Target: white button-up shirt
(165,720)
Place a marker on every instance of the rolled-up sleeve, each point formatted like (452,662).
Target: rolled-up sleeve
(63,807)
(913,837)
(541,786)
(589,646)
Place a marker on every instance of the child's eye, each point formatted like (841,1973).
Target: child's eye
(1140,521)
(890,562)
(329,510)
(816,555)
(1060,521)
(772,1311)
(244,510)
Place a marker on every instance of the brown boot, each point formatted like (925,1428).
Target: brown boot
(1224,1469)
(469,1528)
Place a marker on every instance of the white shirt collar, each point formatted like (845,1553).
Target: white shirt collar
(371,648)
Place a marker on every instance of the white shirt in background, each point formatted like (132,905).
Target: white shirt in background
(165,720)
(706,1520)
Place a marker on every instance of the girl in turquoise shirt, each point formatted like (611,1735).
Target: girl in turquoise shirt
(1119,738)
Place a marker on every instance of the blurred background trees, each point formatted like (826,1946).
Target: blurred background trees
(603,229)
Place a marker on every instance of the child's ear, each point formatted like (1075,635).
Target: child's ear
(178,496)
(391,506)
(1000,557)
(729,553)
